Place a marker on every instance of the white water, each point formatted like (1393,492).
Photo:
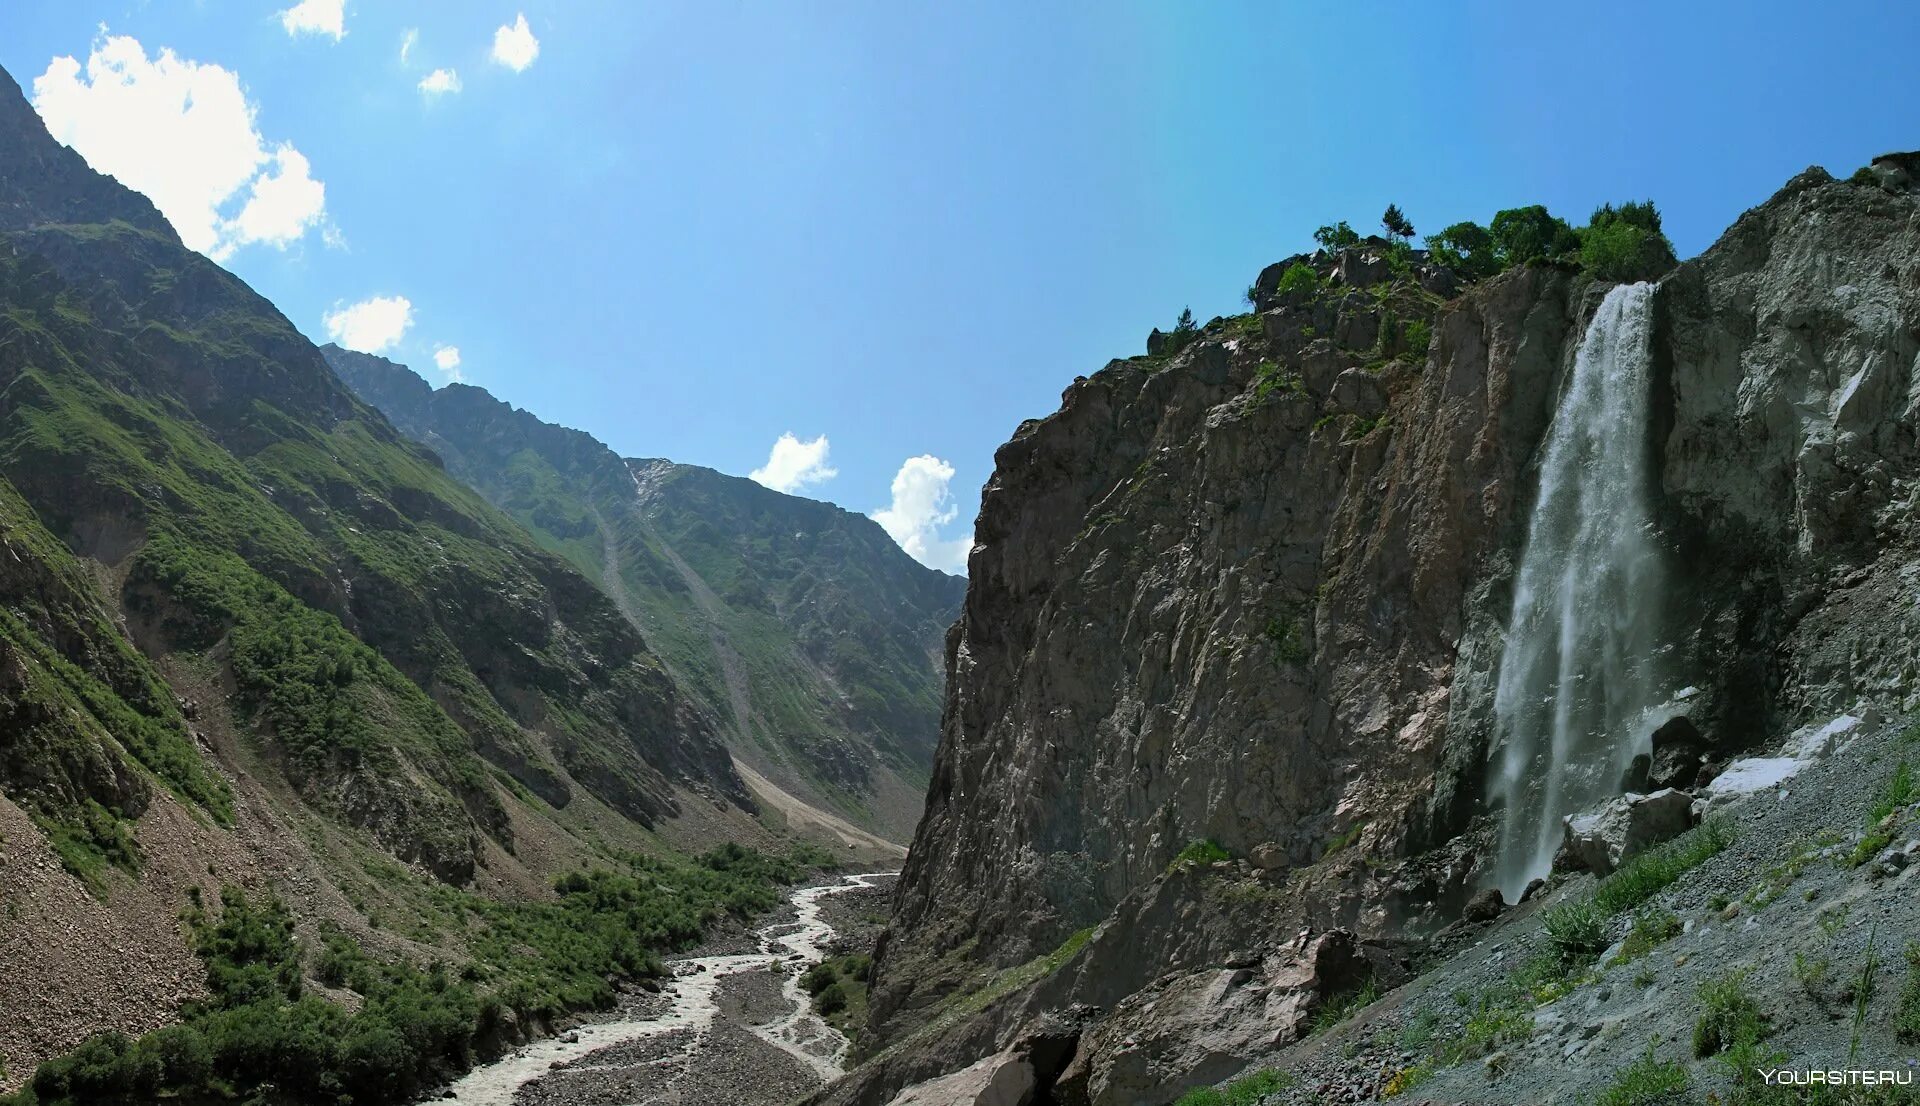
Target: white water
(1578,676)
(696,980)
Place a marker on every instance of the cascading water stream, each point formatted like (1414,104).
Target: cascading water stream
(1579,674)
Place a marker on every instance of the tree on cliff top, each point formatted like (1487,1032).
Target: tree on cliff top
(1397,225)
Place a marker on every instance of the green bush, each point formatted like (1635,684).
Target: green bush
(1577,930)
(1288,638)
(1897,794)
(1418,337)
(1299,277)
(1651,928)
(1523,234)
(1339,236)
(1203,851)
(1729,1016)
(1649,1081)
(1625,243)
(1466,248)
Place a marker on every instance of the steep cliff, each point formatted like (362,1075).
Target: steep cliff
(1253,591)
(809,636)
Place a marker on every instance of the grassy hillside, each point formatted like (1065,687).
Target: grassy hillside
(811,638)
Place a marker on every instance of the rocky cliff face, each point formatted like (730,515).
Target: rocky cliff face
(802,629)
(1253,591)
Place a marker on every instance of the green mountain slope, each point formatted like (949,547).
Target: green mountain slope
(188,488)
(812,638)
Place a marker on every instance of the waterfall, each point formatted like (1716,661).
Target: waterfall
(1578,676)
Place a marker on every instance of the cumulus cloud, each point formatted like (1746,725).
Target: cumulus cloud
(793,464)
(440,81)
(183,133)
(372,325)
(515,47)
(447,360)
(408,41)
(922,504)
(316,17)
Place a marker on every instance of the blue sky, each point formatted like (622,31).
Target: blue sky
(693,228)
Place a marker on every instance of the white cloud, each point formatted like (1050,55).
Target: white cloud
(372,325)
(183,133)
(922,505)
(316,17)
(793,464)
(284,203)
(407,42)
(447,360)
(440,81)
(515,47)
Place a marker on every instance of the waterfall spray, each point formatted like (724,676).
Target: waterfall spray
(1578,675)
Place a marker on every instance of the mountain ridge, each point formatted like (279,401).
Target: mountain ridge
(805,631)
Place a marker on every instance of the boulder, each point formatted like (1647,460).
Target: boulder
(1156,342)
(1678,751)
(1194,1028)
(1362,269)
(1269,857)
(1637,774)
(1003,1079)
(1484,906)
(1630,824)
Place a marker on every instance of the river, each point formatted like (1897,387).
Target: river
(733,1028)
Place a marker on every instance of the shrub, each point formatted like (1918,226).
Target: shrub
(1466,248)
(1625,243)
(1897,794)
(1269,378)
(832,1000)
(1651,928)
(1203,851)
(1339,236)
(1418,337)
(1865,175)
(1729,1017)
(1649,1081)
(1299,277)
(1523,234)
(1577,930)
(1288,638)
(1811,972)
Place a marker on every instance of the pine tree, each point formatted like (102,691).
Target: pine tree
(1397,224)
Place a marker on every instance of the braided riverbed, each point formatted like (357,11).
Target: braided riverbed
(732,1028)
